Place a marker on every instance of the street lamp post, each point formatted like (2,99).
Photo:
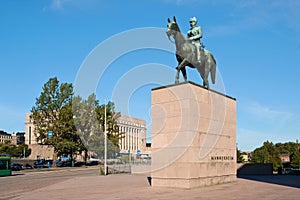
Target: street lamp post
(105,140)
(50,135)
(129,160)
(72,159)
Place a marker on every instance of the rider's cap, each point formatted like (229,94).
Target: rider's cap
(193,19)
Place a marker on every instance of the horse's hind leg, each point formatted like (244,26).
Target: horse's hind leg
(205,78)
(183,71)
(206,84)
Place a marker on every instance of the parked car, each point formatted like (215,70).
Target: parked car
(79,164)
(49,163)
(27,166)
(91,163)
(64,164)
(39,163)
(15,166)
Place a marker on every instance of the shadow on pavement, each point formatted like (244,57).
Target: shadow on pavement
(285,180)
(17,174)
(149,180)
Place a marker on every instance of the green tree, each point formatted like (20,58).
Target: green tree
(86,120)
(90,125)
(292,149)
(23,148)
(266,154)
(287,148)
(295,159)
(5,148)
(295,156)
(53,112)
(15,151)
(113,133)
(239,157)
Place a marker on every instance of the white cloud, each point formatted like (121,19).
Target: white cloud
(267,113)
(271,13)
(57,4)
(249,139)
(251,14)
(63,5)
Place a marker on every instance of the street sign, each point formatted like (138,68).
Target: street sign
(50,134)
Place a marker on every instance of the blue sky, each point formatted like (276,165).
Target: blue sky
(256,44)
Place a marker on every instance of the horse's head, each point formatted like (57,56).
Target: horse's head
(173,27)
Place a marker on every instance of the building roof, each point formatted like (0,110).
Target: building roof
(133,121)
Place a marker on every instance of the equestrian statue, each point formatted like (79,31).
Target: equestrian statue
(190,52)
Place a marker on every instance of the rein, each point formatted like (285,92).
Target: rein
(173,41)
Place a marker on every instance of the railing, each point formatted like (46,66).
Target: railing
(119,168)
(135,166)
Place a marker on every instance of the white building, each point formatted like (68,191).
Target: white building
(135,134)
(134,140)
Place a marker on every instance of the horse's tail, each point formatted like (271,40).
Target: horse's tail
(213,68)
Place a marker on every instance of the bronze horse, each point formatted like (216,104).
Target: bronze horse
(186,56)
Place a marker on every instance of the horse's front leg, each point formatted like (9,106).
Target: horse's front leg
(177,77)
(182,64)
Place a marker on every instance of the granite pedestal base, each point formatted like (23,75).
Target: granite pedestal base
(193,137)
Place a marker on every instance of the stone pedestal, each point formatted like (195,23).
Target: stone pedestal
(193,137)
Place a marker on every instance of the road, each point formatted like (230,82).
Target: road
(25,181)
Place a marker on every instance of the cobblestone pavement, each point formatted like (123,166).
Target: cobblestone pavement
(129,186)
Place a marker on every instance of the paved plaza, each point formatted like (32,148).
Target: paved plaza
(130,186)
